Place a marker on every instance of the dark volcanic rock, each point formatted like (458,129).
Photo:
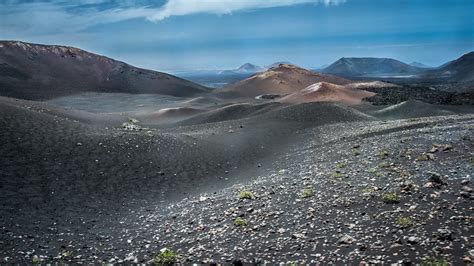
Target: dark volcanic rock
(395,95)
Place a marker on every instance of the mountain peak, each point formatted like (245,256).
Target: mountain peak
(366,66)
(279,63)
(282,79)
(418,64)
(248,67)
(284,66)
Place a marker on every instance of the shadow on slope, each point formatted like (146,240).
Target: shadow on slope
(315,113)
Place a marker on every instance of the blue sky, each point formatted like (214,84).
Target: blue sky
(173,35)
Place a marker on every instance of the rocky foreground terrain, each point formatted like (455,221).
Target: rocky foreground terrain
(390,192)
(337,188)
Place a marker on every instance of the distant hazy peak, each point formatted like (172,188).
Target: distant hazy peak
(354,66)
(418,64)
(249,67)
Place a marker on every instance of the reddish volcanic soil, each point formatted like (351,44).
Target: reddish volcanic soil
(283,79)
(323,91)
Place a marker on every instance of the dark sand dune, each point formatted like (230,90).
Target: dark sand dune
(411,109)
(61,112)
(231,112)
(313,113)
(49,152)
(53,155)
(176,112)
(168,115)
(33,71)
(318,113)
(283,79)
(201,101)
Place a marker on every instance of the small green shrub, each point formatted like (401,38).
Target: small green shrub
(245,194)
(368,190)
(341,165)
(430,261)
(384,153)
(390,197)
(404,222)
(337,175)
(378,174)
(36,260)
(423,158)
(166,257)
(307,192)
(239,221)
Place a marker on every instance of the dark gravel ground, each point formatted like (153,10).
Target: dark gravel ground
(317,189)
(324,201)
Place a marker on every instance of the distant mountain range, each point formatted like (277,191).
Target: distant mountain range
(249,68)
(369,66)
(459,70)
(39,72)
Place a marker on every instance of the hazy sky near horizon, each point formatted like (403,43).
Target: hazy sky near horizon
(172,35)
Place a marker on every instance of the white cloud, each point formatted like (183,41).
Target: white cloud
(187,7)
(39,18)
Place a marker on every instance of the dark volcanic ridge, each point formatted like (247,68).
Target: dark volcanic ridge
(39,72)
(459,70)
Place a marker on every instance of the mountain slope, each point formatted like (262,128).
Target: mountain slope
(327,92)
(38,72)
(369,66)
(411,109)
(461,69)
(283,79)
